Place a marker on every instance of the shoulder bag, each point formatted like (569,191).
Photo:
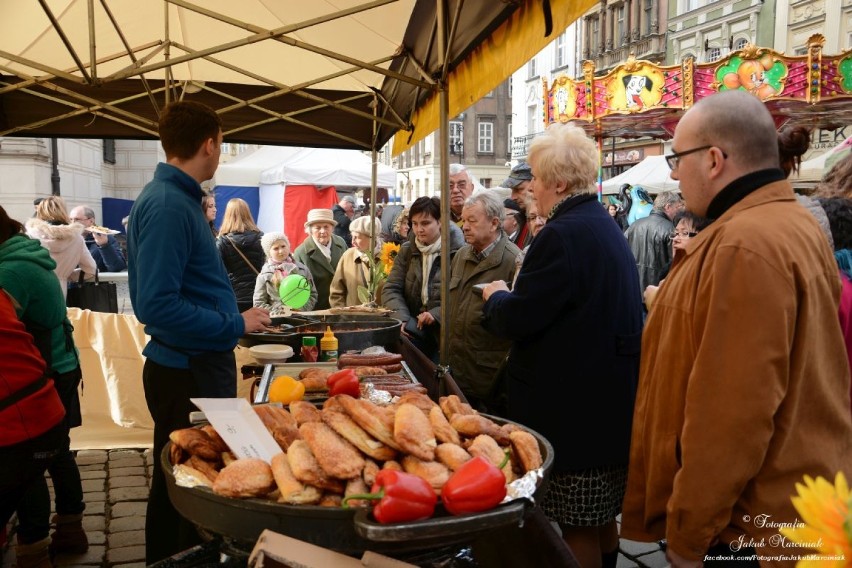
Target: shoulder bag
(96,296)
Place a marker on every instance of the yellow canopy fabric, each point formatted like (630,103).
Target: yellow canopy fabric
(509,47)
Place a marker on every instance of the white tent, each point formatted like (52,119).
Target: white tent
(812,170)
(652,174)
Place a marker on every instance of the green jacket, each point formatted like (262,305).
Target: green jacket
(26,274)
(321,269)
(474,353)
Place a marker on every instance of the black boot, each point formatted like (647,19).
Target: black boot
(69,536)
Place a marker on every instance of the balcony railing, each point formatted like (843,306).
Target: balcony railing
(521,144)
(651,47)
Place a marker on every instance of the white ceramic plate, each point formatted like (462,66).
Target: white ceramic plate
(271,353)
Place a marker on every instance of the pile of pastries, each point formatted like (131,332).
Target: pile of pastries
(336,451)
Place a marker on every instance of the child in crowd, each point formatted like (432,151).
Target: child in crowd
(279,264)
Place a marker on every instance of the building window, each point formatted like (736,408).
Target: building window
(619,26)
(509,139)
(109,150)
(740,43)
(595,35)
(690,5)
(486,138)
(648,8)
(713,54)
(429,142)
(561,51)
(532,120)
(800,51)
(456,138)
(510,86)
(531,71)
(486,183)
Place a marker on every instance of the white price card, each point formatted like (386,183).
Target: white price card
(239,426)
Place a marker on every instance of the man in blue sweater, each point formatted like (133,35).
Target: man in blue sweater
(181,292)
(104,248)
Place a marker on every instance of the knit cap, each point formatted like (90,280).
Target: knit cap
(269,239)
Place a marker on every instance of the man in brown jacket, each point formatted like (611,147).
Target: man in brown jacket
(474,353)
(743,386)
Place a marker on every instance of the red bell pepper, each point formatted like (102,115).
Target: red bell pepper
(402,497)
(476,486)
(344,382)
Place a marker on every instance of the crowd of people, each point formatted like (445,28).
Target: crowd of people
(688,370)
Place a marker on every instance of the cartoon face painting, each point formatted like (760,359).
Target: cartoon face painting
(633,85)
(751,76)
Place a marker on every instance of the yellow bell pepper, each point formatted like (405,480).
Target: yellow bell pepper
(285,390)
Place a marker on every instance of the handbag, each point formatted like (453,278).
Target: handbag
(96,296)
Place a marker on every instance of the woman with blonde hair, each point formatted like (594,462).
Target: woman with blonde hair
(239,244)
(583,350)
(63,239)
(353,270)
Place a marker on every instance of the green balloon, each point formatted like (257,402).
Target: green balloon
(294,291)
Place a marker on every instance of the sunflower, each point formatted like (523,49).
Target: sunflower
(827,519)
(388,255)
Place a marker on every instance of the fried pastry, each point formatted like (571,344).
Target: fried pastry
(331,500)
(333,403)
(315,378)
(485,446)
(341,423)
(336,456)
(419,399)
(473,425)
(413,432)
(291,489)
(452,455)
(443,431)
(453,405)
(196,442)
(204,467)
(306,468)
(371,470)
(377,421)
(228,457)
(526,449)
(176,454)
(218,442)
(274,417)
(356,486)
(285,436)
(247,477)
(392,464)
(303,411)
(435,473)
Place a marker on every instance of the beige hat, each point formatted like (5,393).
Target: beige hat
(320,216)
(362,225)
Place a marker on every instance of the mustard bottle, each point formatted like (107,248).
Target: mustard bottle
(328,346)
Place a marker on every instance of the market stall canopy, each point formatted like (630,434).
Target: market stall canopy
(652,174)
(320,73)
(640,98)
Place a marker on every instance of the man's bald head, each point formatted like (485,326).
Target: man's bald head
(739,123)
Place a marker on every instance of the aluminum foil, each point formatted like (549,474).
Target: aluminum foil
(374,350)
(524,487)
(374,395)
(186,476)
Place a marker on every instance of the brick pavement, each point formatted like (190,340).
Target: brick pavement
(115,486)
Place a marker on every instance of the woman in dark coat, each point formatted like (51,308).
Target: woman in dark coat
(575,321)
(239,244)
(405,291)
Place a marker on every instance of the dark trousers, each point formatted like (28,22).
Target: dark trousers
(34,509)
(167,392)
(22,468)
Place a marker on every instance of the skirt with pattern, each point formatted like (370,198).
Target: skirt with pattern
(585,498)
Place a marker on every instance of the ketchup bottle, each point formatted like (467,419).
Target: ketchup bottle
(310,353)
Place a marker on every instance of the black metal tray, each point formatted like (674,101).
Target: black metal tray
(349,531)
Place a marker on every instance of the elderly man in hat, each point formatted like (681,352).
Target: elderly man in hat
(321,252)
(519,181)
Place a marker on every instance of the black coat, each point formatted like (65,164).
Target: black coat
(575,321)
(240,274)
(342,227)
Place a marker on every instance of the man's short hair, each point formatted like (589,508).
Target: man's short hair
(491,204)
(88,212)
(348,199)
(666,198)
(185,125)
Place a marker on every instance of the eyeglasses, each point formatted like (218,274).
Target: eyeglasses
(682,234)
(673,159)
(78,219)
(534,218)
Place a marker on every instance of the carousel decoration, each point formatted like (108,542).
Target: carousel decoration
(639,98)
